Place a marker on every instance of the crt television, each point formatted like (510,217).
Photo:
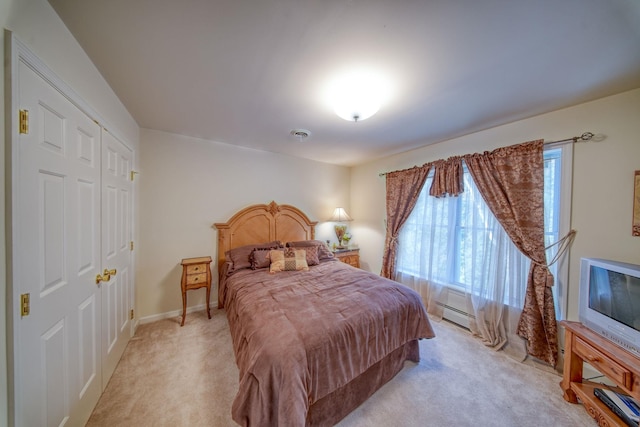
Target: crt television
(610,301)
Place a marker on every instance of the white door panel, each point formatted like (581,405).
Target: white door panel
(55,375)
(87,333)
(116,253)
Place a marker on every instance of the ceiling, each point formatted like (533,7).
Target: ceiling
(247,72)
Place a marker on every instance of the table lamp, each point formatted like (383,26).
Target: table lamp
(340,215)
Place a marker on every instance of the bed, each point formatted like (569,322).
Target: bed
(311,344)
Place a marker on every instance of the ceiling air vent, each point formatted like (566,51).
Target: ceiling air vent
(300,134)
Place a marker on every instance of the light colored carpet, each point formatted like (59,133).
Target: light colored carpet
(173,376)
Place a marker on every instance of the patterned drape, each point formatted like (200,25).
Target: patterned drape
(403,189)
(511,181)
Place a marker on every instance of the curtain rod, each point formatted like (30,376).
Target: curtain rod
(586,136)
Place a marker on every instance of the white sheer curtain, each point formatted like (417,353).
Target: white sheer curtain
(456,243)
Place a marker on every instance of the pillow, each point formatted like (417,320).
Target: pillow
(239,257)
(323,250)
(288,259)
(260,258)
(311,254)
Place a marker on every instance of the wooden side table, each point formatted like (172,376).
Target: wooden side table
(618,365)
(196,274)
(348,256)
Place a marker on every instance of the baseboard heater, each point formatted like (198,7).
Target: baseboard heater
(455,308)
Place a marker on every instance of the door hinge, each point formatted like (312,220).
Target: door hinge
(24,121)
(133,173)
(131,245)
(25,307)
(131,314)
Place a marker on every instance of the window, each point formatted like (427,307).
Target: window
(457,242)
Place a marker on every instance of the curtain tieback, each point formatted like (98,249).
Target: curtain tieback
(563,245)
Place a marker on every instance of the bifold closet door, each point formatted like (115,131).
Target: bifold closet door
(57,255)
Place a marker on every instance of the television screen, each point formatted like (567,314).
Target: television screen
(615,295)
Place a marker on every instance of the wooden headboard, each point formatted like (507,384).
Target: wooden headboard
(261,224)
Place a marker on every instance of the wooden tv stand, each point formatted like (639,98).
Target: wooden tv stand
(618,365)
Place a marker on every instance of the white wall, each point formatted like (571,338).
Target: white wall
(602,179)
(187,184)
(36,24)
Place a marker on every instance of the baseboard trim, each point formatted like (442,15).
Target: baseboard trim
(174,313)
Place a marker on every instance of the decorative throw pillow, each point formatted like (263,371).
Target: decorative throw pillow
(288,259)
(260,258)
(323,250)
(311,254)
(239,256)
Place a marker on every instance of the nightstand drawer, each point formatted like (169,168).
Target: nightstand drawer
(194,279)
(349,256)
(351,260)
(198,268)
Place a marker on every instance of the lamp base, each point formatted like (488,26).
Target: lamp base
(340,232)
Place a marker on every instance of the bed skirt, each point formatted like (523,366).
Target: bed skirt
(332,408)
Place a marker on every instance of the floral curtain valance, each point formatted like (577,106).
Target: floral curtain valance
(447,178)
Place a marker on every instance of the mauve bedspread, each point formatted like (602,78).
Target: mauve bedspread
(298,336)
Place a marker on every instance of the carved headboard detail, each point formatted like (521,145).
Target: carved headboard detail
(261,224)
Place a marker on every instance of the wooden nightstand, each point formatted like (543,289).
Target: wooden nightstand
(196,274)
(348,256)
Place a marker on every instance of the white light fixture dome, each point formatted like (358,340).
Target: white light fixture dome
(357,94)
(357,103)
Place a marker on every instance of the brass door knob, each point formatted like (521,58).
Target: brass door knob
(102,278)
(109,272)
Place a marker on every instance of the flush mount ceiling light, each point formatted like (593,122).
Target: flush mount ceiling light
(357,94)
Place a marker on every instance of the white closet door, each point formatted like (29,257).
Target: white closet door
(57,257)
(116,253)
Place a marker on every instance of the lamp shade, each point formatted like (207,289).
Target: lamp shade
(340,215)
